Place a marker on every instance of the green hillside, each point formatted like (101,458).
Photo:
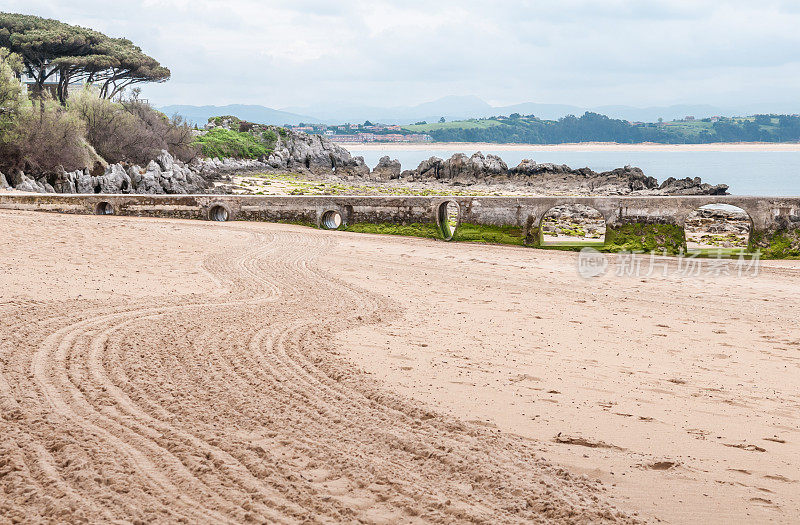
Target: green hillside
(592,127)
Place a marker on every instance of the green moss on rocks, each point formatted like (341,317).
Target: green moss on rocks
(645,237)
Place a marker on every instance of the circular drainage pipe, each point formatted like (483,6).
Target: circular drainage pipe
(104,208)
(331,220)
(218,213)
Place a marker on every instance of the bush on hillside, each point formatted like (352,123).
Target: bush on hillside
(131,131)
(36,137)
(45,136)
(220,142)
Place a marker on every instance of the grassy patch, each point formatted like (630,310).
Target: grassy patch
(645,237)
(718,253)
(467,232)
(427,230)
(573,246)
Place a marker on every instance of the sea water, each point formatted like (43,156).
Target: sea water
(746,172)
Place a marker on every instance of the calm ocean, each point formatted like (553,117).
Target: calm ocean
(746,172)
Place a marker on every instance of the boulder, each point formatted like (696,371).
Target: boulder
(3,182)
(150,181)
(387,169)
(85,183)
(165,160)
(114,180)
(63,181)
(24,183)
(691,186)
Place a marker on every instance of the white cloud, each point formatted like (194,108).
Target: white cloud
(386,52)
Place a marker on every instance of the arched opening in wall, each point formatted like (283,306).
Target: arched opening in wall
(104,208)
(718,228)
(448,219)
(218,213)
(573,225)
(331,220)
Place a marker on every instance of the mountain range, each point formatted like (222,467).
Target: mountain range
(452,108)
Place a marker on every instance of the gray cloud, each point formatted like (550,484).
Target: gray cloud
(388,52)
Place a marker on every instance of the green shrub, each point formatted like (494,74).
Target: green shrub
(224,143)
(270,139)
(233,121)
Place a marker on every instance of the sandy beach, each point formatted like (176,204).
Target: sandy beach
(583,146)
(158,370)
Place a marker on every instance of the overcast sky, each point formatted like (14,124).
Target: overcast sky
(385,52)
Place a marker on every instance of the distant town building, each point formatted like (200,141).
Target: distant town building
(374,137)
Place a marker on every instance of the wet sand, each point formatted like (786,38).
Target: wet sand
(166,370)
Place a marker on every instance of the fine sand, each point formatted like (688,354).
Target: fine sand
(166,370)
(582,146)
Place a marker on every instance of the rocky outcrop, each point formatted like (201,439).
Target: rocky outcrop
(387,169)
(552,178)
(163,175)
(3,182)
(460,169)
(689,186)
(299,152)
(19,181)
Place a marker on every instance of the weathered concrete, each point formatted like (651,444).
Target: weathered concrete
(768,214)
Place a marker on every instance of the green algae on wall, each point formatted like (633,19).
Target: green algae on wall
(468,232)
(780,244)
(427,230)
(645,237)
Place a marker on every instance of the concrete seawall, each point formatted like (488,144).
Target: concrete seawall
(768,214)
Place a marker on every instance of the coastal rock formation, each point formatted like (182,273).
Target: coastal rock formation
(552,178)
(299,152)
(459,169)
(163,175)
(689,186)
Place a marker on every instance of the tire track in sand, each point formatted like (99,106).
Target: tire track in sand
(235,408)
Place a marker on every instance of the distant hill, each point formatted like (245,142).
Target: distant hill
(458,108)
(469,107)
(452,108)
(260,114)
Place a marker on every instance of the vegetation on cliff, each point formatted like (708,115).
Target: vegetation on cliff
(222,143)
(230,137)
